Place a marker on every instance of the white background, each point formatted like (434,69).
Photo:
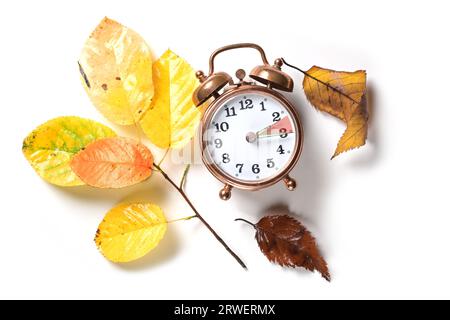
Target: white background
(380,214)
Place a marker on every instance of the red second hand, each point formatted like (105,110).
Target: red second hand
(275,129)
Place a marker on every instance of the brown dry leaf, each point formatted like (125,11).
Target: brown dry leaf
(340,93)
(285,241)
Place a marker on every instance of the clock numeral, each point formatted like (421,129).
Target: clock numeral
(218,142)
(231,112)
(246,104)
(270,163)
(280,150)
(283,132)
(239,166)
(225,158)
(263,107)
(276,116)
(256,169)
(223,127)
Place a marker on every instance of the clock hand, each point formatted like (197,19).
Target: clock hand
(274,135)
(278,128)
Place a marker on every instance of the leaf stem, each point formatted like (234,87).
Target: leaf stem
(246,221)
(163,157)
(182,219)
(183,178)
(138,131)
(197,214)
(320,81)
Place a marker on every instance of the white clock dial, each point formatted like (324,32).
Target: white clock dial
(251,137)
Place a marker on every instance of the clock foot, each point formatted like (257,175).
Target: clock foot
(290,183)
(225,193)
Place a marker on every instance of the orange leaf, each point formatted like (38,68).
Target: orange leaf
(113,163)
(340,94)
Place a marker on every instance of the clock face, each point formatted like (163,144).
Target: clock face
(251,137)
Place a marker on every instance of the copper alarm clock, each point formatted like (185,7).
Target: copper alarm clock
(251,135)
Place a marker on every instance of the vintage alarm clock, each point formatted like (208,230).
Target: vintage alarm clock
(251,135)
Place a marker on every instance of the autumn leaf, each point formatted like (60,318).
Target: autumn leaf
(340,94)
(113,163)
(51,147)
(130,231)
(285,241)
(172,118)
(116,70)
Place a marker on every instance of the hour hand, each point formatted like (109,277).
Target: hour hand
(278,128)
(282,127)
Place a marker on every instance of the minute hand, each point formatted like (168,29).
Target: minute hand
(278,128)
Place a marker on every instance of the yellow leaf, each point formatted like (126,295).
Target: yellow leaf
(130,231)
(356,133)
(113,163)
(340,94)
(116,69)
(172,119)
(51,147)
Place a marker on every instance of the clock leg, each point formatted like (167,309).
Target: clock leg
(225,193)
(290,183)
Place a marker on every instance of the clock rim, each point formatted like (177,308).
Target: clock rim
(237,183)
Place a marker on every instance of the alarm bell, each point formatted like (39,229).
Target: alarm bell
(210,86)
(271,76)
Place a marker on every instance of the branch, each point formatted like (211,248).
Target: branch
(197,214)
